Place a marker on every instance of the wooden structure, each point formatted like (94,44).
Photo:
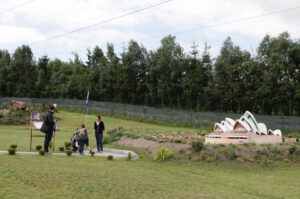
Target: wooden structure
(36,123)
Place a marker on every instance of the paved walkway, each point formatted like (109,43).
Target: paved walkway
(116,153)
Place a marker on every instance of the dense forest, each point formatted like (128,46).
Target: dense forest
(265,83)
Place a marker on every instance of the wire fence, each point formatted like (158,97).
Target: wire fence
(287,124)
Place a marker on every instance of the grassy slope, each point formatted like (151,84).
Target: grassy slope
(86,177)
(70,121)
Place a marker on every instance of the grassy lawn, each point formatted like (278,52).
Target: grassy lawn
(20,135)
(87,177)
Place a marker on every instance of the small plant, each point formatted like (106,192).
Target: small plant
(110,157)
(202,155)
(222,145)
(189,154)
(275,150)
(181,151)
(92,153)
(292,150)
(285,160)
(11,151)
(195,159)
(38,147)
(129,156)
(216,155)
(67,144)
(61,148)
(13,146)
(209,159)
(246,144)
(230,153)
(264,161)
(240,160)
(197,145)
(41,152)
(164,154)
(69,152)
(178,141)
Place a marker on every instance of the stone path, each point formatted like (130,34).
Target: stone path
(116,153)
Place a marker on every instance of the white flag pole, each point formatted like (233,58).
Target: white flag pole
(86,107)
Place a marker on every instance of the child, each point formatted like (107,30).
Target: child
(83,139)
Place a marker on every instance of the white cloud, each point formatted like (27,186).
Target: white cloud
(46,18)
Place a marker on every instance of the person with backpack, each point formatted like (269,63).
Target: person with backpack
(98,133)
(48,127)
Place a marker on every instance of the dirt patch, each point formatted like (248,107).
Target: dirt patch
(144,144)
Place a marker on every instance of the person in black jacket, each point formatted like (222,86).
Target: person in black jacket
(49,123)
(98,133)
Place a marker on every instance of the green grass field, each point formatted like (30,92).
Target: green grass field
(94,177)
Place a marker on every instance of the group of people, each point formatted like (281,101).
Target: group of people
(49,126)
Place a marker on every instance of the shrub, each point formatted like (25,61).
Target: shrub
(181,151)
(209,159)
(203,155)
(292,150)
(110,157)
(178,141)
(276,150)
(246,144)
(240,159)
(285,160)
(230,153)
(164,154)
(69,152)
(92,153)
(195,159)
(222,145)
(216,155)
(41,152)
(61,148)
(264,161)
(129,156)
(189,154)
(38,147)
(67,144)
(11,151)
(197,145)
(261,152)
(13,146)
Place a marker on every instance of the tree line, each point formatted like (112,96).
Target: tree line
(234,81)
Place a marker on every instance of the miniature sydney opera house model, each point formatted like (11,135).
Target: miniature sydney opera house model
(244,129)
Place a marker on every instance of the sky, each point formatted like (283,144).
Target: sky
(36,22)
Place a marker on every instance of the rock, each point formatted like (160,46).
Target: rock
(19,104)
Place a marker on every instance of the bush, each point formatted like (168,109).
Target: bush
(230,154)
(38,147)
(181,151)
(13,146)
(240,159)
(264,161)
(92,153)
(41,152)
(197,145)
(11,151)
(292,150)
(178,141)
(110,157)
(129,156)
(203,155)
(164,154)
(246,144)
(209,159)
(216,155)
(286,160)
(222,145)
(189,154)
(67,144)
(69,152)
(61,148)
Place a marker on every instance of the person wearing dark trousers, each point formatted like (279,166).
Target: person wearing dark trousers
(83,139)
(98,133)
(48,128)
